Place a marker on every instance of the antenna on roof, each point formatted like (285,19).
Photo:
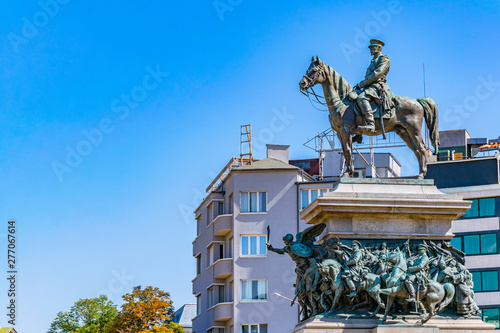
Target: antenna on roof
(423,69)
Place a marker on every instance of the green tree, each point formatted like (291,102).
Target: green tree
(147,310)
(90,315)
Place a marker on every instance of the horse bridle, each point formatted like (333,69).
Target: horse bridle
(307,93)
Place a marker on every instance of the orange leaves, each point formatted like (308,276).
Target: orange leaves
(147,310)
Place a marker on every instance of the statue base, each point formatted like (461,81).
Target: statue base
(390,208)
(406,324)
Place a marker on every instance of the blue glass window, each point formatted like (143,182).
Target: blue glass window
(483,207)
(253,202)
(488,243)
(476,278)
(485,281)
(457,243)
(471,244)
(491,316)
(489,281)
(244,245)
(487,207)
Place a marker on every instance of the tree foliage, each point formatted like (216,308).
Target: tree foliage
(91,315)
(147,310)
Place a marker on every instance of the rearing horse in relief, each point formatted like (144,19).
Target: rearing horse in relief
(407,122)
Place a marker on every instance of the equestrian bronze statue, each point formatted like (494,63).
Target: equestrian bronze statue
(354,111)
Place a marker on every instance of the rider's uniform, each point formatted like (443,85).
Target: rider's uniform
(375,83)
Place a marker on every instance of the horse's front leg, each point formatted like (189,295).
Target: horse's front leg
(390,300)
(338,292)
(346,143)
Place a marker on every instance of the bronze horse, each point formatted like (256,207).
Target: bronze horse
(434,294)
(407,123)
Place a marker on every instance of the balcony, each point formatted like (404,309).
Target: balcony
(198,284)
(223,225)
(222,268)
(222,311)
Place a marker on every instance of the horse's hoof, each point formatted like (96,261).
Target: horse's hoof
(421,176)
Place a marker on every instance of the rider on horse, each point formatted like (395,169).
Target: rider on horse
(353,267)
(374,85)
(418,272)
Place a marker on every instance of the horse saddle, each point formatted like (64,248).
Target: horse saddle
(377,109)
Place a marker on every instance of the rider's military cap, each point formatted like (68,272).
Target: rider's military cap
(374,42)
(356,242)
(422,245)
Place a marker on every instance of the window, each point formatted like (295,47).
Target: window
(211,297)
(216,295)
(456,242)
(230,247)
(210,256)
(253,245)
(483,207)
(215,252)
(491,316)
(198,305)
(253,290)
(216,330)
(309,196)
(254,328)
(230,204)
(485,280)
(253,202)
(222,297)
(198,264)
(215,209)
(476,244)
(198,225)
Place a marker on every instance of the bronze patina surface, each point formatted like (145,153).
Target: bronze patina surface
(352,110)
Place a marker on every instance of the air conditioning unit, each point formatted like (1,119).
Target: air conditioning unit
(357,174)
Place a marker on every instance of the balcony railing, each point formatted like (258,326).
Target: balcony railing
(222,311)
(223,225)
(222,268)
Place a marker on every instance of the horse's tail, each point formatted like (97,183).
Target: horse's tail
(431,119)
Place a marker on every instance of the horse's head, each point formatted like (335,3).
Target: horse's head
(393,256)
(324,270)
(315,74)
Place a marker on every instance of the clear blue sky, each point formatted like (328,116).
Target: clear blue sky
(124,209)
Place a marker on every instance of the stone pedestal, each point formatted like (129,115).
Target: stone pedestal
(373,325)
(375,208)
(388,210)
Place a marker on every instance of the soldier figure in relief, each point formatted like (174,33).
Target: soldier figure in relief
(353,269)
(374,85)
(417,272)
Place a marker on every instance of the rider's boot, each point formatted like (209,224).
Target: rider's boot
(367,111)
(411,291)
(351,286)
